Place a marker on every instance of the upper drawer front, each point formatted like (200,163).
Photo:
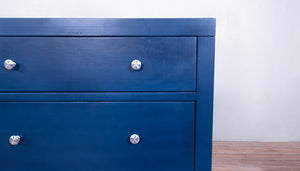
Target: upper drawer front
(98,63)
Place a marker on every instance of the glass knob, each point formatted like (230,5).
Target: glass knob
(14,139)
(135,139)
(136,64)
(9,64)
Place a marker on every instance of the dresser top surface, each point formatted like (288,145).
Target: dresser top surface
(108,27)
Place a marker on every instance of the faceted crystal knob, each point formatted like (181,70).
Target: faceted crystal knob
(136,64)
(135,139)
(14,139)
(9,64)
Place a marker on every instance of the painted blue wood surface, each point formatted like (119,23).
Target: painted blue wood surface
(204,103)
(98,63)
(107,96)
(95,136)
(73,82)
(107,27)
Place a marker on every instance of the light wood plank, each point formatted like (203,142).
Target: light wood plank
(256,156)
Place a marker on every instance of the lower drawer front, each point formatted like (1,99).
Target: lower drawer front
(95,136)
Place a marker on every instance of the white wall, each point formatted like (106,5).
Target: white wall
(257,79)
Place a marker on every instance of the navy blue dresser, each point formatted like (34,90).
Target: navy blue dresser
(106,94)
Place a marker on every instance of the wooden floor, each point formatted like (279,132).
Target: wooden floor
(256,156)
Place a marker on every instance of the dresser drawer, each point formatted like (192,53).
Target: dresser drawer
(98,63)
(96,136)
